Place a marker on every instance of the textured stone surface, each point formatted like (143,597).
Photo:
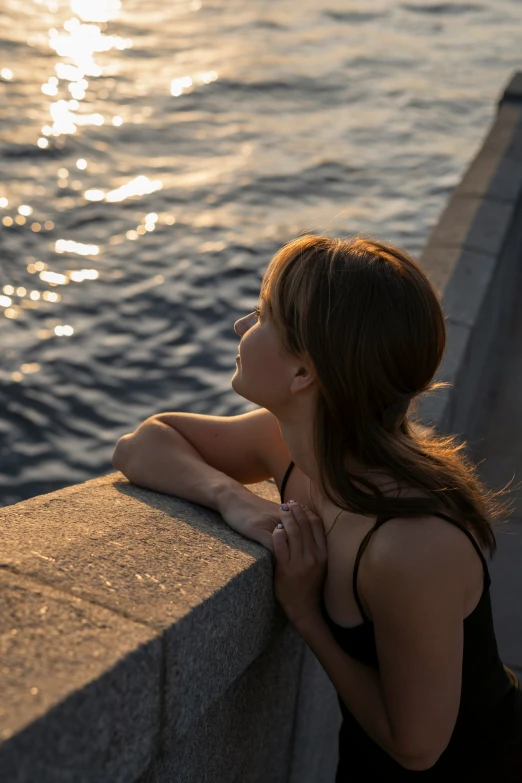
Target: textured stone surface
(498,453)
(318,721)
(436,408)
(472,258)
(149,556)
(246,735)
(513,91)
(203,656)
(79,685)
(469,286)
(506,589)
(161,561)
(439,264)
(474,223)
(503,138)
(499,448)
(492,176)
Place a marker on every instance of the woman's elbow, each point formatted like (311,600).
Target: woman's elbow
(121,449)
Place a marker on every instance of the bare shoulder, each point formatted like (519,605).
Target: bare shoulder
(424,548)
(423,540)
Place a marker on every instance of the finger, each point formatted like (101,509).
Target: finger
(316,529)
(293,534)
(308,538)
(317,526)
(280,544)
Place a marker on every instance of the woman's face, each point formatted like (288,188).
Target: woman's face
(262,374)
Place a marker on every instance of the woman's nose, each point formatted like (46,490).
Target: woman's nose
(240,325)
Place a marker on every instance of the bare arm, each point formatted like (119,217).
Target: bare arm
(157,457)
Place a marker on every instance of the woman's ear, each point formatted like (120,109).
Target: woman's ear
(304,377)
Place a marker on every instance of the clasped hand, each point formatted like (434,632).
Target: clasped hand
(301,557)
(299,548)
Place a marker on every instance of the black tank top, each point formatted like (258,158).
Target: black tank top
(489,722)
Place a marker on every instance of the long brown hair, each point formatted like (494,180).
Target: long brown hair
(367,318)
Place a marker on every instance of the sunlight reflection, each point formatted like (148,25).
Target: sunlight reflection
(79,275)
(94,195)
(139,186)
(78,43)
(54,278)
(65,121)
(185,83)
(49,89)
(82,41)
(69,246)
(6,74)
(96,10)
(89,119)
(69,73)
(63,331)
(63,118)
(150,221)
(30,368)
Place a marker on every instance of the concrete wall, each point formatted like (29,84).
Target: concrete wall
(474,257)
(139,637)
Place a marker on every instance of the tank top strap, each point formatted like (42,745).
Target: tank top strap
(285,479)
(380,521)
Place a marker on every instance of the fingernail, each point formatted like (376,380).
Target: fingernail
(285,507)
(292,501)
(280,526)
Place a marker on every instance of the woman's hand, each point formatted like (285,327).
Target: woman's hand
(301,562)
(250,515)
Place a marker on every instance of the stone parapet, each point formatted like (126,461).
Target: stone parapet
(474,258)
(140,640)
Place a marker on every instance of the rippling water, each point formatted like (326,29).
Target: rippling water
(154,157)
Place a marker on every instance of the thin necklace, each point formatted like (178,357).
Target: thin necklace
(340,512)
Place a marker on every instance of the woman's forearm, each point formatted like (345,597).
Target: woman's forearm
(156,456)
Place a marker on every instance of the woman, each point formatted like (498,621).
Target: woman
(382,572)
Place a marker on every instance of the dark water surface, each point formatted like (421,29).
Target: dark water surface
(155,155)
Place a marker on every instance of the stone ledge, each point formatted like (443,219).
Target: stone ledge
(90,546)
(473,257)
(513,92)
(80,687)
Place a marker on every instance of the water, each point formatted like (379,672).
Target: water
(159,155)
